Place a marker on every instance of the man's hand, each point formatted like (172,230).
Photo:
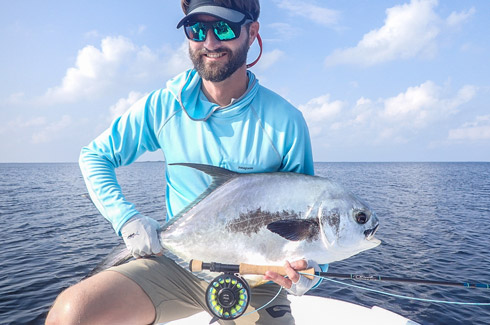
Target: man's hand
(140,235)
(295,283)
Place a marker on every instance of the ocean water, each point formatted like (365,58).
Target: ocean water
(434,220)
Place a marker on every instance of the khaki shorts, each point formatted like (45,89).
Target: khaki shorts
(176,293)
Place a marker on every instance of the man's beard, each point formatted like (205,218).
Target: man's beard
(217,72)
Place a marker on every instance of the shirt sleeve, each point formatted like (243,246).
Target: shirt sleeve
(299,157)
(129,136)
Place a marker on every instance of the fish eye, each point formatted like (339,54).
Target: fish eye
(361,217)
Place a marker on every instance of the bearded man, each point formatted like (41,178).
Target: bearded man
(216,114)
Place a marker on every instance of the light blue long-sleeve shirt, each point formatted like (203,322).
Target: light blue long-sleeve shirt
(258,132)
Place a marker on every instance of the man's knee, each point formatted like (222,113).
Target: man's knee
(67,308)
(103,298)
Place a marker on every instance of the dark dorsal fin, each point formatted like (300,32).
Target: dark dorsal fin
(219,177)
(296,229)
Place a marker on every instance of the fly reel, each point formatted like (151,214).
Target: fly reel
(227,296)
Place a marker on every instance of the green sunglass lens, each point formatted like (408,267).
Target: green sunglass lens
(197,32)
(223,31)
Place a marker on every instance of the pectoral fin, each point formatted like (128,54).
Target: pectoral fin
(296,229)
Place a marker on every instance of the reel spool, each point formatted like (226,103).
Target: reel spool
(227,296)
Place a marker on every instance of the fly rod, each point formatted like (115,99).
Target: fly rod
(243,268)
(197,266)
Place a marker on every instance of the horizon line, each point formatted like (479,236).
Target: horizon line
(315,162)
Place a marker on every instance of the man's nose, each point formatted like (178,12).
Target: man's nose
(211,41)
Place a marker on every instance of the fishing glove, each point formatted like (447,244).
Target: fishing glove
(140,235)
(304,284)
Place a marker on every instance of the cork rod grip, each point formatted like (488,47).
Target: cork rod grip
(198,266)
(261,269)
(195,266)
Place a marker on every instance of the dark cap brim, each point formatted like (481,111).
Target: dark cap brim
(228,14)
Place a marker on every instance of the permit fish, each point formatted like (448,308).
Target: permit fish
(268,218)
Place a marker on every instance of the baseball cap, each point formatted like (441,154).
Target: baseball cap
(208,7)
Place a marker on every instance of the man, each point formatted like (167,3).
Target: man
(215,114)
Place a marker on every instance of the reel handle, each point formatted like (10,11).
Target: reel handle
(243,268)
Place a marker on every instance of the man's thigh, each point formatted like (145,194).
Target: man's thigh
(103,298)
(174,292)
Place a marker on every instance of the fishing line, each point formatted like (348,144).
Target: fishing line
(402,296)
(228,295)
(256,310)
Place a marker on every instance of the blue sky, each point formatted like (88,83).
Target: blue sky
(376,80)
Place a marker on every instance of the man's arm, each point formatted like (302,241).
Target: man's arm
(129,136)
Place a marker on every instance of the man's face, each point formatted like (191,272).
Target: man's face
(217,60)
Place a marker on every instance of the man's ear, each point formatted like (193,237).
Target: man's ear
(253,32)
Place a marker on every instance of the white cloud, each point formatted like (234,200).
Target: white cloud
(118,61)
(282,32)
(9,129)
(179,59)
(319,111)
(409,30)
(124,104)
(92,34)
(413,106)
(476,130)
(20,123)
(421,105)
(270,58)
(362,114)
(386,120)
(15,98)
(51,130)
(36,130)
(95,70)
(307,9)
(36,121)
(458,18)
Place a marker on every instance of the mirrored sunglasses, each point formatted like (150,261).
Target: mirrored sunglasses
(223,30)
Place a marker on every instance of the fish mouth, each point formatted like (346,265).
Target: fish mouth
(370,232)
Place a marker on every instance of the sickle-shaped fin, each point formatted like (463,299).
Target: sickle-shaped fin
(219,177)
(296,229)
